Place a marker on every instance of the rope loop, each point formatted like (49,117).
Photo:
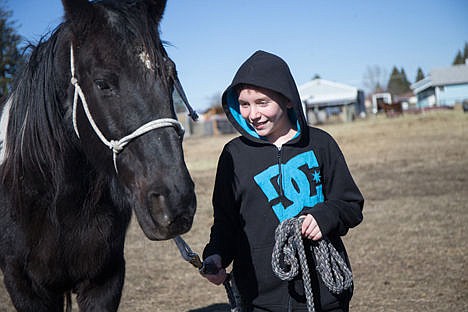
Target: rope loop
(284,253)
(289,254)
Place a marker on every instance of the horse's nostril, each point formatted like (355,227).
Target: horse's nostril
(159,210)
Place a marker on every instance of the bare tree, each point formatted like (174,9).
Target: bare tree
(375,78)
(215,100)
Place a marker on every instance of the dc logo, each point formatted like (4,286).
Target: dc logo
(295,181)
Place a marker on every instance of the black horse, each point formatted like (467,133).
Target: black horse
(88,134)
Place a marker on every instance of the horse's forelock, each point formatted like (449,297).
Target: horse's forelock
(138,27)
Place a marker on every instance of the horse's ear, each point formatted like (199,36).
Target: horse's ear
(77,10)
(156,8)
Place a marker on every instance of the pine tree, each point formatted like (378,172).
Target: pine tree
(405,84)
(465,51)
(419,75)
(458,59)
(398,83)
(10,56)
(393,82)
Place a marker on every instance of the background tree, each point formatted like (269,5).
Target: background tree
(374,79)
(394,81)
(398,83)
(10,56)
(459,59)
(215,105)
(316,76)
(419,74)
(404,79)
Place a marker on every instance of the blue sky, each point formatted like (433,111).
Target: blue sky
(337,39)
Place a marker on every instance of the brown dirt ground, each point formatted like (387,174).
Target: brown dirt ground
(409,254)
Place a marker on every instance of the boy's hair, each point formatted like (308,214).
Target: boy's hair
(283,100)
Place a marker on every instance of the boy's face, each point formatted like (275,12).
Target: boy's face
(266,111)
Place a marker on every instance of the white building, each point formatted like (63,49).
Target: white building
(443,87)
(322,98)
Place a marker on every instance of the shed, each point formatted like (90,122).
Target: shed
(442,87)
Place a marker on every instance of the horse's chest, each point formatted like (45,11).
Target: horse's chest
(80,251)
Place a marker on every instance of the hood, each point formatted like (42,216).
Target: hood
(269,71)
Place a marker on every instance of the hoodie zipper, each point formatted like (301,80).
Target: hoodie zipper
(281,193)
(280,177)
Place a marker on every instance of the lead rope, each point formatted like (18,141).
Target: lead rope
(332,269)
(115,145)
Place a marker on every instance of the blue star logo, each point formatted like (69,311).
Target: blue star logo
(316,175)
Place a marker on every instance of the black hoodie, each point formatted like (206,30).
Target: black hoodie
(259,185)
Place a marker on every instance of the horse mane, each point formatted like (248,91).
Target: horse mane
(36,135)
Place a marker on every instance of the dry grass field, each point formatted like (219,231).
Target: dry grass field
(409,254)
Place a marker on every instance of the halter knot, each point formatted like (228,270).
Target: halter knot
(74,81)
(115,146)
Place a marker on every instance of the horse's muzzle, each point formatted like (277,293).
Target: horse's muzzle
(171,215)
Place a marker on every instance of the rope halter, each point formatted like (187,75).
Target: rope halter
(116,146)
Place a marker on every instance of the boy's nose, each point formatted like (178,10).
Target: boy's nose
(254,113)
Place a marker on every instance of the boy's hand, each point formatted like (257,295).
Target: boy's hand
(217,275)
(310,228)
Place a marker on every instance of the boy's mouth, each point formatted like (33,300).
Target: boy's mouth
(258,125)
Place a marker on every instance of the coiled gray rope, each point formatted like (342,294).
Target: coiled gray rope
(289,253)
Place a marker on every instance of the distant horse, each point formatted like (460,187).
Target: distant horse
(88,134)
(390,109)
(393,109)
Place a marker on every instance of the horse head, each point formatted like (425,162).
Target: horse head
(120,99)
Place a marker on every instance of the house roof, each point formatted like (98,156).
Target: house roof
(325,92)
(456,74)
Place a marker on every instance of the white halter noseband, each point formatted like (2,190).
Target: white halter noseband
(115,145)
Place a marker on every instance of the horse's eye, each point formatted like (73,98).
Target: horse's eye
(102,84)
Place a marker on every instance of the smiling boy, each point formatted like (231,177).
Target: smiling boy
(279,168)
